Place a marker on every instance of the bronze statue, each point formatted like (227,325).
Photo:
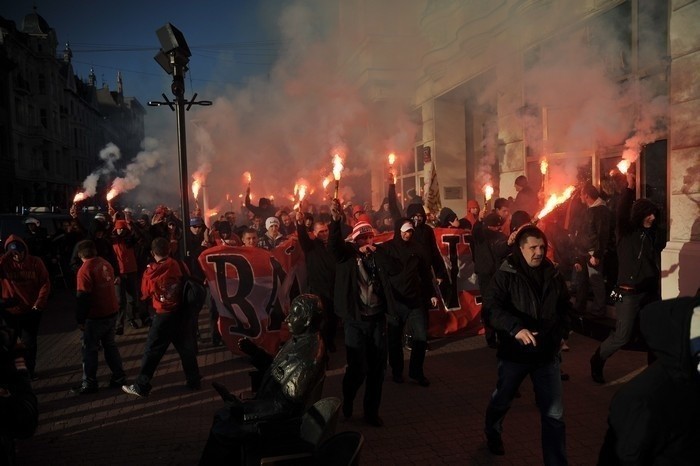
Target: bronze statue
(288,385)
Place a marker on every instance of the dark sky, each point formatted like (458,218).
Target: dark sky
(230,40)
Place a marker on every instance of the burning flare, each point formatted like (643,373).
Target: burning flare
(392,159)
(543,166)
(80,197)
(624,165)
(488,192)
(337,167)
(196,186)
(112,194)
(327,181)
(554,201)
(248,177)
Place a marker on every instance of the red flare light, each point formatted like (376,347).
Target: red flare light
(112,194)
(624,165)
(488,192)
(79,197)
(554,201)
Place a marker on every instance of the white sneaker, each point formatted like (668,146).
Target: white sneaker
(133,390)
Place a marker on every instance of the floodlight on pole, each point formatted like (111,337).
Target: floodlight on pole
(173,57)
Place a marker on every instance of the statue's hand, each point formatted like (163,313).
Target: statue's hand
(247,346)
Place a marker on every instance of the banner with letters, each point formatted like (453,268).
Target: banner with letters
(253,288)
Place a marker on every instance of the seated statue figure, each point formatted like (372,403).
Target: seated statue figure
(288,382)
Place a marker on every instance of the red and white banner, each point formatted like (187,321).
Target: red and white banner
(253,289)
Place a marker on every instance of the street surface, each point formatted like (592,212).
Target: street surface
(442,424)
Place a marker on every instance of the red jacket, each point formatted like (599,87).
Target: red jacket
(25,284)
(96,279)
(124,248)
(162,284)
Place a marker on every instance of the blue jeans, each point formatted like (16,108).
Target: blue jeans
(365,344)
(100,331)
(415,317)
(169,328)
(546,381)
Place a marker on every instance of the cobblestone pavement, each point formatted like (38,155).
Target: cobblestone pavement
(438,425)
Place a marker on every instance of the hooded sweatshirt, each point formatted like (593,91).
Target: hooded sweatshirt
(25,284)
(655,418)
(123,246)
(162,283)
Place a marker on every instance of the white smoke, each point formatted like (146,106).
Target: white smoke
(109,155)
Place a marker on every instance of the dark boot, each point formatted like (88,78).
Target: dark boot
(597,364)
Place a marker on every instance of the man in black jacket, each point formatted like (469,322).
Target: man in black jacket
(638,277)
(654,417)
(362,299)
(320,274)
(490,248)
(595,239)
(526,199)
(528,304)
(413,292)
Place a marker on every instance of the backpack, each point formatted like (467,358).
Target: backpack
(193,292)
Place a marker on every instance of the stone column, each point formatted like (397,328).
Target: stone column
(680,259)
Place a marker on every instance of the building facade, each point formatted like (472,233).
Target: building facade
(52,124)
(500,85)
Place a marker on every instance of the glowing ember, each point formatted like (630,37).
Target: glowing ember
(228,197)
(79,197)
(543,166)
(248,177)
(392,159)
(337,166)
(327,181)
(554,201)
(271,197)
(196,186)
(624,165)
(112,194)
(488,192)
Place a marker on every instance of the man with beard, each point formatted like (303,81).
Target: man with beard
(528,304)
(320,273)
(413,291)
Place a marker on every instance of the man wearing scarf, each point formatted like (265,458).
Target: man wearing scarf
(528,304)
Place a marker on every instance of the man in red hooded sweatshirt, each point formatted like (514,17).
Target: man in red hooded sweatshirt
(123,243)
(25,290)
(162,284)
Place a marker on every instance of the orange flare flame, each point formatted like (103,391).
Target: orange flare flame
(392,159)
(554,201)
(79,197)
(337,166)
(248,177)
(488,192)
(543,166)
(624,165)
(326,182)
(196,186)
(112,194)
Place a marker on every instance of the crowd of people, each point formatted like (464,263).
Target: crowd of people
(128,269)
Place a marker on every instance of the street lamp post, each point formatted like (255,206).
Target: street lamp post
(173,57)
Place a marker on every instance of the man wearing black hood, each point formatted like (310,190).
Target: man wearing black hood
(638,277)
(654,417)
(424,235)
(413,291)
(528,305)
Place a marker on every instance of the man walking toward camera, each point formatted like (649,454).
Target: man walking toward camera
(528,304)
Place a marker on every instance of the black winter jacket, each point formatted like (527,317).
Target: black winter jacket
(654,418)
(513,304)
(320,264)
(413,285)
(346,291)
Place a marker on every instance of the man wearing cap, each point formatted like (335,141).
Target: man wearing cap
(37,239)
(25,290)
(272,237)
(413,292)
(362,298)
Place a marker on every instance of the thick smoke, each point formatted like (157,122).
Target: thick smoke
(138,169)
(288,124)
(109,155)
